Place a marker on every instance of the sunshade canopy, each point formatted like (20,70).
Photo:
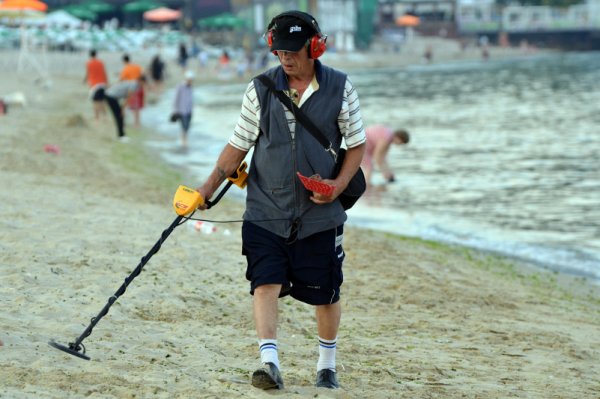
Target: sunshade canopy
(21,5)
(408,20)
(81,11)
(162,14)
(225,20)
(98,6)
(141,6)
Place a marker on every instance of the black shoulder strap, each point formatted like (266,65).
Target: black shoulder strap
(299,115)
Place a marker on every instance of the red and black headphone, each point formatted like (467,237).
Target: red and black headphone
(316,45)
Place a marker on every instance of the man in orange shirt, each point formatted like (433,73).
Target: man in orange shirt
(95,76)
(130,70)
(135,101)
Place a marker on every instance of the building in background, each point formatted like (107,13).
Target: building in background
(576,27)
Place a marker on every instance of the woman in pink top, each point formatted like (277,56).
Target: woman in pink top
(379,140)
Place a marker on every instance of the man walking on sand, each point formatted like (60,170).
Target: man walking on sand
(184,105)
(292,238)
(95,76)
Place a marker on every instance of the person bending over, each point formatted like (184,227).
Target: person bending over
(118,93)
(379,140)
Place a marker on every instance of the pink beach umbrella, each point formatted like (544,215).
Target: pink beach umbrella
(162,14)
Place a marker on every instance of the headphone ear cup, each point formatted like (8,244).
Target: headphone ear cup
(317,46)
(269,38)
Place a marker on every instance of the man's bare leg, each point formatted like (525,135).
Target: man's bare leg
(265,320)
(328,323)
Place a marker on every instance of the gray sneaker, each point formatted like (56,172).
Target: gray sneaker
(326,378)
(267,377)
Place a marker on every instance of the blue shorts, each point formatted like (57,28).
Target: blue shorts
(185,122)
(310,269)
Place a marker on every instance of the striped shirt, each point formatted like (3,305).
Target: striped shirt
(349,120)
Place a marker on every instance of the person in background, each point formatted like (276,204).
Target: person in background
(130,70)
(379,140)
(157,72)
(202,59)
(135,100)
(184,104)
(95,76)
(182,56)
(292,237)
(224,66)
(428,54)
(116,93)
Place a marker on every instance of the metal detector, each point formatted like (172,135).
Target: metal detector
(185,202)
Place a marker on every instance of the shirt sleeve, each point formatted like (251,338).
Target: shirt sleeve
(247,128)
(349,119)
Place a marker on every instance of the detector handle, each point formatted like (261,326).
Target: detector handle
(240,176)
(187,200)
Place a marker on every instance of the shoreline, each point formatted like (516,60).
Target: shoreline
(544,260)
(420,318)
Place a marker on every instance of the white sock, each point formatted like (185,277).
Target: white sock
(326,354)
(268,351)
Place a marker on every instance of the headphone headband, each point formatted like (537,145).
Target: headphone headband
(309,19)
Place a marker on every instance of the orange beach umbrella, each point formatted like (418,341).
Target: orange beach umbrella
(162,14)
(24,5)
(408,20)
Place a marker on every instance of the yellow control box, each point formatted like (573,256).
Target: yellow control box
(186,200)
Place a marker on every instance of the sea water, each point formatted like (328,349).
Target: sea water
(504,155)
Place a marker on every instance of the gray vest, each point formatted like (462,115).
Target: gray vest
(276,198)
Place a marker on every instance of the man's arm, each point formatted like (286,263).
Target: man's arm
(381,150)
(227,163)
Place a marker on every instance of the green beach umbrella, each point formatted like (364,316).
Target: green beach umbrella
(97,6)
(141,6)
(205,22)
(81,12)
(225,20)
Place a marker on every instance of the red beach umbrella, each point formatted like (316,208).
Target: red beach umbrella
(162,14)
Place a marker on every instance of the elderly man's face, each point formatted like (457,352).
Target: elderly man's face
(295,63)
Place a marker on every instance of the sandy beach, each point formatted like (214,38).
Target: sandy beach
(420,319)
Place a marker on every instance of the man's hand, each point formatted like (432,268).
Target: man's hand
(205,197)
(321,199)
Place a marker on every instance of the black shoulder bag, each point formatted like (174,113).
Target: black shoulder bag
(358,184)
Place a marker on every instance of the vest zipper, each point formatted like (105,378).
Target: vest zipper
(294,185)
